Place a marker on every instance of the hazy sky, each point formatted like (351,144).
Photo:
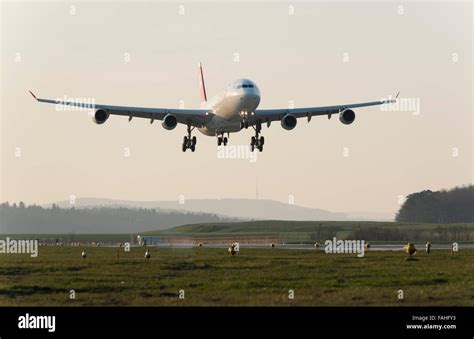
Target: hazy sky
(145,54)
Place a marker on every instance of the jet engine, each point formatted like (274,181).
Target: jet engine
(169,122)
(100,116)
(288,122)
(347,116)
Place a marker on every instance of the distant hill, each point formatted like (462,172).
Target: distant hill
(236,208)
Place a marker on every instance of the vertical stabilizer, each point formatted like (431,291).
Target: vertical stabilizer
(202,86)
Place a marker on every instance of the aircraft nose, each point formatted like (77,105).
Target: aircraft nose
(250,97)
(255,97)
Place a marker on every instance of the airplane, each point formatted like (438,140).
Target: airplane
(232,110)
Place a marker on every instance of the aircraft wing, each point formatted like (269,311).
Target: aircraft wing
(267,115)
(193,117)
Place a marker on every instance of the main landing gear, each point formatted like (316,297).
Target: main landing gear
(222,140)
(256,141)
(188,141)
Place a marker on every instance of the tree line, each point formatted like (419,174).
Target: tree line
(440,207)
(458,232)
(19,218)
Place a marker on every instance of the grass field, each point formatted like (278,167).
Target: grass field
(254,277)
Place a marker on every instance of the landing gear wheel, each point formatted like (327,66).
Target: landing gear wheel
(219,141)
(225,141)
(188,141)
(256,141)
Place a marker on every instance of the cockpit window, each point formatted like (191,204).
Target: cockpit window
(245,86)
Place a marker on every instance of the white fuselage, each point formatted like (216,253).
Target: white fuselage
(231,106)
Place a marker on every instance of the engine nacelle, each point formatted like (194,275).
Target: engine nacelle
(100,116)
(169,122)
(347,116)
(288,122)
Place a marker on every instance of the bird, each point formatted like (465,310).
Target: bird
(410,249)
(234,248)
(367,245)
(83,254)
(273,245)
(316,245)
(428,247)
(147,254)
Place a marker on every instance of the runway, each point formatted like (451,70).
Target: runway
(374,247)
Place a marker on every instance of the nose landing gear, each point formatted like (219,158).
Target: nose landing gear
(188,141)
(256,141)
(244,124)
(222,140)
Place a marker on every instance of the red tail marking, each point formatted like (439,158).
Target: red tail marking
(202,85)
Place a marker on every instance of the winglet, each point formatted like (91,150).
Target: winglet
(32,94)
(396,96)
